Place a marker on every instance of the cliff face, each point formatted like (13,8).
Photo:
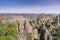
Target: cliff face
(23,26)
(43,21)
(46,19)
(22,22)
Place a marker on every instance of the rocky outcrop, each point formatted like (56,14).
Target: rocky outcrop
(44,24)
(23,26)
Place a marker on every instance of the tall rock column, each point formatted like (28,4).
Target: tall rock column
(29,30)
(20,22)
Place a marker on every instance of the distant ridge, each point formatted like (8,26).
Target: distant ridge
(29,15)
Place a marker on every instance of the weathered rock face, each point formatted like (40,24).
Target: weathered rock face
(46,25)
(41,22)
(45,18)
(3,18)
(19,20)
(35,34)
(28,26)
(23,26)
(23,23)
(35,31)
(45,35)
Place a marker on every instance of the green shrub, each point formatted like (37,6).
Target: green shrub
(56,33)
(8,31)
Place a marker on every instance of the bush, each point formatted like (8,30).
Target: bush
(56,33)
(8,31)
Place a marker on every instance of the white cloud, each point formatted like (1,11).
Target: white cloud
(36,9)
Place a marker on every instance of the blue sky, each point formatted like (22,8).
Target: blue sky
(29,6)
(29,2)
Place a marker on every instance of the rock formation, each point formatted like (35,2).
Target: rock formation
(43,25)
(23,26)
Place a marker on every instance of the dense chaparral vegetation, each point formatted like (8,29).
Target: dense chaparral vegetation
(8,31)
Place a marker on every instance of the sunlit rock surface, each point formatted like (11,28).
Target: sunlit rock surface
(23,26)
